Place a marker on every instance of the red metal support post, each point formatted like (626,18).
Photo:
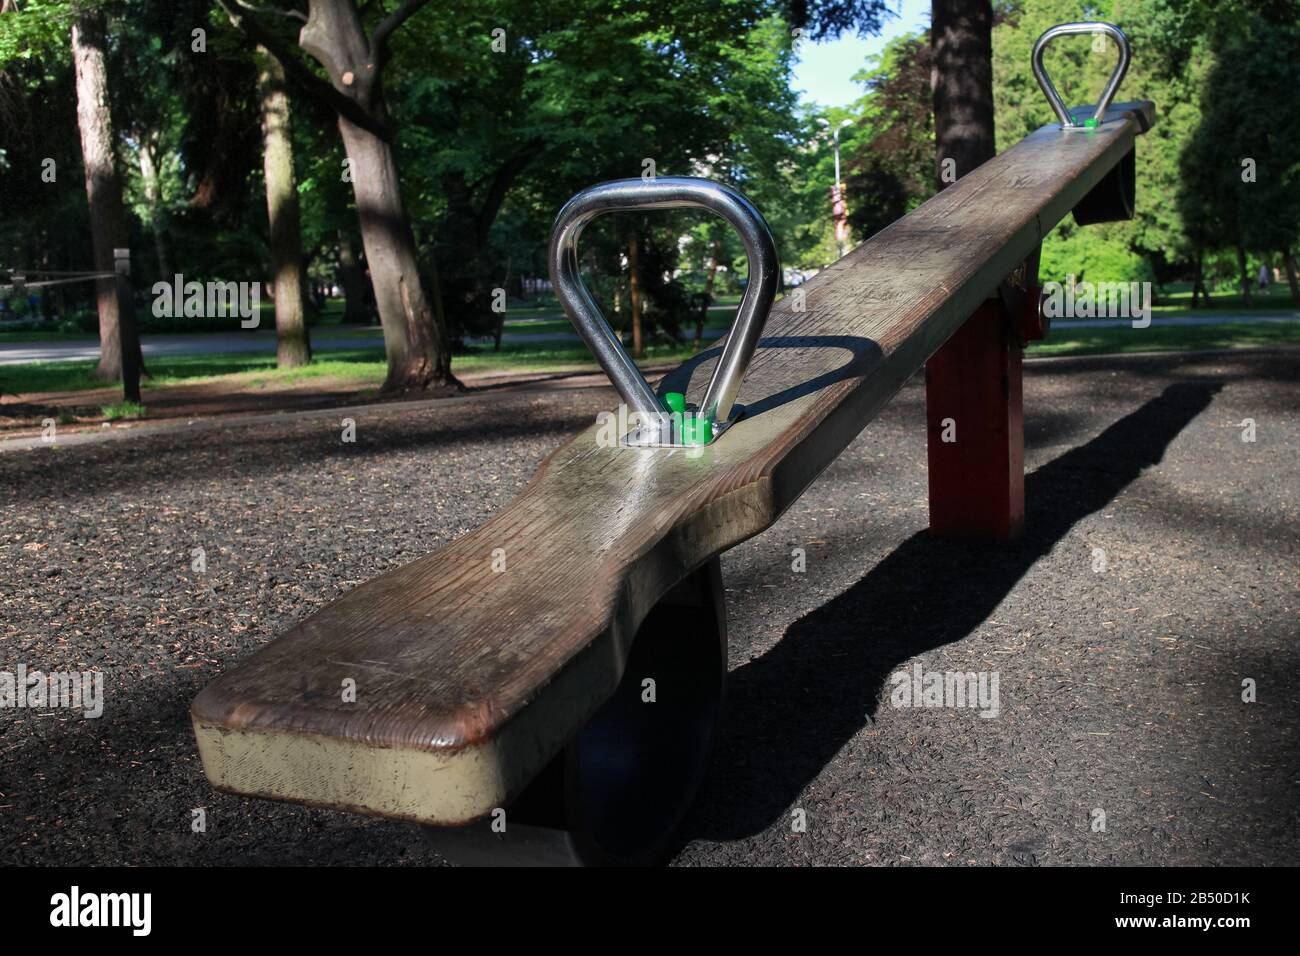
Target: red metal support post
(976,434)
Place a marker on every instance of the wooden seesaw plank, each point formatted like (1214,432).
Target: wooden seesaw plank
(469,681)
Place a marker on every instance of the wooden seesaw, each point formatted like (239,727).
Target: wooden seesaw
(505,705)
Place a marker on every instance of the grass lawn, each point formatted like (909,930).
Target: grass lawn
(1177,300)
(250,371)
(1170,338)
(253,370)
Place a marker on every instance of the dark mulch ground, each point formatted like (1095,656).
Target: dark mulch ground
(23,415)
(1119,690)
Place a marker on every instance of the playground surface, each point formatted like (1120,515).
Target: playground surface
(1121,736)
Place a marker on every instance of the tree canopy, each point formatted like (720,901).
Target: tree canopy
(432,145)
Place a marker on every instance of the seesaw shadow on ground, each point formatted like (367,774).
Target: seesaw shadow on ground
(815,690)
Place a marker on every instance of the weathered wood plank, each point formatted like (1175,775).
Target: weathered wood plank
(468,680)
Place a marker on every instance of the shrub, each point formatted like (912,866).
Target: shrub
(1091,255)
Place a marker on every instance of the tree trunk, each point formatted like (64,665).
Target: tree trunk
(634,294)
(416,346)
(469,273)
(162,241)
(961,82)
(1245,276)
(435,289)
(292,344)
(356,303)
(1288,257)
(415,341)
(715,250)
(119,345)
(1198,280)
(500,327)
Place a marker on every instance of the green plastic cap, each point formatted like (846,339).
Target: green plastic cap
(696,430)
(1090,122)
(676,401)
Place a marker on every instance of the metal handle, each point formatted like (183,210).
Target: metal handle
(1107,94)
(667,192)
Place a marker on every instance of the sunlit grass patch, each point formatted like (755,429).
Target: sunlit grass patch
(123,410)
(1124,339)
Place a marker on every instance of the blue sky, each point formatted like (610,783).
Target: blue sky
(824,69)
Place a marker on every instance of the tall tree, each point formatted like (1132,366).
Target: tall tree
(119,346)
(334,35)
(1241,174)
(351,276)
(572,95)
(890,162)
(1267,129)
(961,51)
(147,146)
(293,347)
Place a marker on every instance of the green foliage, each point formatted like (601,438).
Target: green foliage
(491,142)
(891,169)
(37,129)
(823,19)
(494,142)
(1242,165)
(1079,67)
(39,33)
(1219,75)
(1092,254)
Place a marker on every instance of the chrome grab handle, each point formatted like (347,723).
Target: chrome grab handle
(1112,85)
(669,192)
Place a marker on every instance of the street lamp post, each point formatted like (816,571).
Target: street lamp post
(837,193)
